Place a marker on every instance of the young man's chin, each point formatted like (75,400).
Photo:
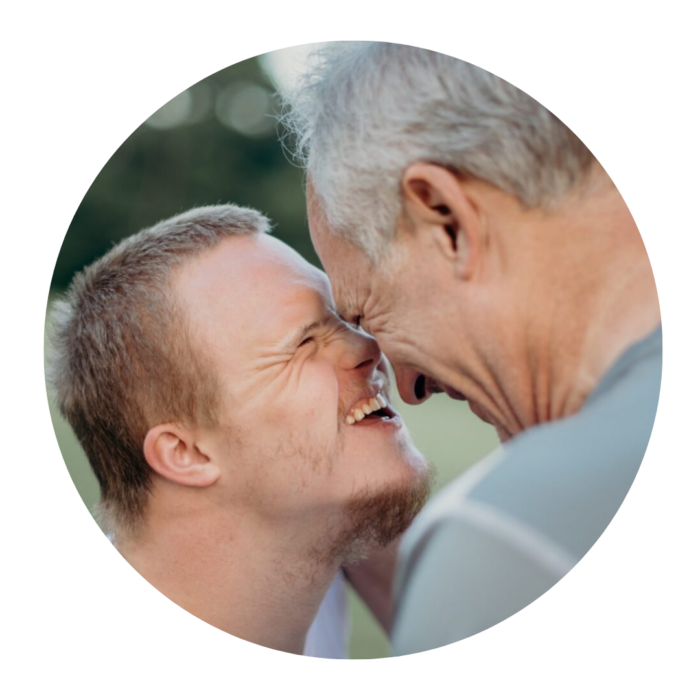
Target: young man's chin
(377,517)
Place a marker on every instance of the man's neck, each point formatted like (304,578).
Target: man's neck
(256,583)
(574,289)
(630,313)
(615,308)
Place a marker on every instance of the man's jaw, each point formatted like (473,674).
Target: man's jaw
(480,412)
(477,409)
(376,518)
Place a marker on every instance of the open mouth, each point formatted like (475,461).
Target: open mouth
(381,414)
(371,410)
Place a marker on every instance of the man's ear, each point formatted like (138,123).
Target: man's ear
(172,452)
(437,204)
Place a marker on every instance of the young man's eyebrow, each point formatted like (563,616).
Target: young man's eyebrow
(303,332)
(294,338)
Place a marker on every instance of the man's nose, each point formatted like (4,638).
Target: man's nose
(413,386)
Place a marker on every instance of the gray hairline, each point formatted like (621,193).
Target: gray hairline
(338,113)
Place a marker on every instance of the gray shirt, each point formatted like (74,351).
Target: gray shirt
(507,530)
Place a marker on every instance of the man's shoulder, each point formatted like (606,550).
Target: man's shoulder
(509,481)
(450,500)
(566,478)
(537,505)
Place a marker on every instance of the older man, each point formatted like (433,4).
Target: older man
(478,239)
(239,429)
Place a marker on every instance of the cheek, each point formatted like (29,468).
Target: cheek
(300,417)
(311,401)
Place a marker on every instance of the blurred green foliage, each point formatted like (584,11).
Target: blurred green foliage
(158,172)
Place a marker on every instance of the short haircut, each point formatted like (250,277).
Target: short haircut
(121,360)
(364,111)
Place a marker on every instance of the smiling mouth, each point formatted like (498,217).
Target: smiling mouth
(383,415)
(371,410)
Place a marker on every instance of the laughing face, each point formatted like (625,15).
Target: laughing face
(306,432)
(411,304)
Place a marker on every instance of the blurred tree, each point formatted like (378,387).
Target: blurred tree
(215,142)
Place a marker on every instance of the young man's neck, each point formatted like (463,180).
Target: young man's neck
(256,583)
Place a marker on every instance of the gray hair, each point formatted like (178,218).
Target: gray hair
(120,359)
(365,111)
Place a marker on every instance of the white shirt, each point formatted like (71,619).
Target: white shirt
(328,635)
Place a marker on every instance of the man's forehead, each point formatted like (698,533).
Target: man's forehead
(347,266)
(349,272)
(345,296)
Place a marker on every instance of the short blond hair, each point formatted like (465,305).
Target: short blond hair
(120,357)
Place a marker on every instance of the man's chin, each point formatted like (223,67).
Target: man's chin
(377,517)
(481,413)
(503,434)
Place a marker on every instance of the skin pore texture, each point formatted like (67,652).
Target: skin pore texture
(249,520)
(519,311)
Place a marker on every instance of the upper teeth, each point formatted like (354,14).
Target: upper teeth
(369,406)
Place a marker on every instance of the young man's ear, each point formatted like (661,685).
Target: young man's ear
(437,205)
(172,452)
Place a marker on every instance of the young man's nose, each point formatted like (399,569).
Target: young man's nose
(362,352)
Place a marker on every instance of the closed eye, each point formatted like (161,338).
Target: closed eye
(305,341)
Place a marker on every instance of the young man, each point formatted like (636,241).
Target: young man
(240,430)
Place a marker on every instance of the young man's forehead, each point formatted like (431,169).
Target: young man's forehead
(251,295)
(279,253)
(249,256)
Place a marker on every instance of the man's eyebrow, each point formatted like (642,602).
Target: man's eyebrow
(296,336)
